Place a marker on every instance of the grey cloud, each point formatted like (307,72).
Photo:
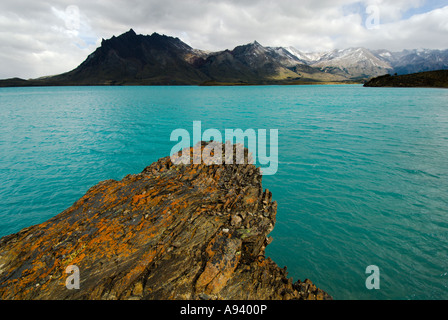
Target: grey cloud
(36,41)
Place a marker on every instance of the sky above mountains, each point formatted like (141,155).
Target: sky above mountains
(50,37)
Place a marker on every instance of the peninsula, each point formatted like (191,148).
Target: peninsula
(430,79)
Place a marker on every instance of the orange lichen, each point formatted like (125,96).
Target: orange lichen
(124,235)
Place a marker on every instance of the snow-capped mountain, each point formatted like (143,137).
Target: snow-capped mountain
(412,61)
(306,57)
(353,63)
(361,63)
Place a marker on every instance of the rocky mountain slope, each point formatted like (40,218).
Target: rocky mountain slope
(253,63)
(172,232)
(136,59)
(353,63)
(430,79)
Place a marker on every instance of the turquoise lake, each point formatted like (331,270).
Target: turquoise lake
(362,172)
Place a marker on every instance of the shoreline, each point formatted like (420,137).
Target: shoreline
(224,84)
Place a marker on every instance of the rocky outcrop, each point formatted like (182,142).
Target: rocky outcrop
(172,232)
(431,79)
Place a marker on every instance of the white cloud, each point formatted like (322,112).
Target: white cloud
(41,38)
(393,10)
(428,30)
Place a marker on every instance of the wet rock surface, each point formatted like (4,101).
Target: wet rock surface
(173,231)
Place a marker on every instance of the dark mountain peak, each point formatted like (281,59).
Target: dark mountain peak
(254,45)
(158,35)
(130,41)
(127,35)
(136,59)
(250,48)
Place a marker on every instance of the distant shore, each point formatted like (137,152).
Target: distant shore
(17,82)
(430,79)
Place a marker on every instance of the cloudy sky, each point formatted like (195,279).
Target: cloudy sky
(39,38)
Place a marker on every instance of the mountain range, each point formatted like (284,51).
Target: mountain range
(132,59)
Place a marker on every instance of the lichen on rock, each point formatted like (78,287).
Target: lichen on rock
(172,232)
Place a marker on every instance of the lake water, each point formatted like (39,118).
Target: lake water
(362,177)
